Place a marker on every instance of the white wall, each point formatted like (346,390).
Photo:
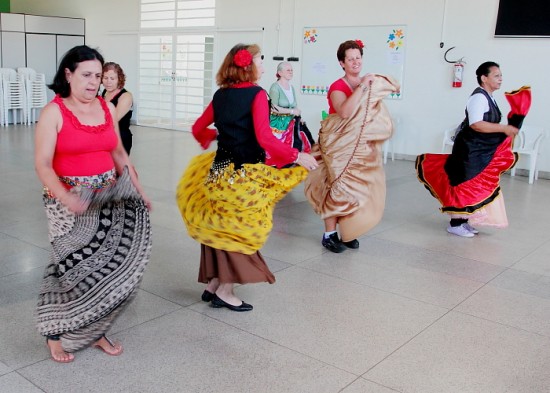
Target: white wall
(429,103)
(111,26)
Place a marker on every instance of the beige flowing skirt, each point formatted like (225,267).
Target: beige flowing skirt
(350,182)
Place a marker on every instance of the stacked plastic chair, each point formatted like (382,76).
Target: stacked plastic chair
(14,97)
(35,86)
(3,121)
(9,74)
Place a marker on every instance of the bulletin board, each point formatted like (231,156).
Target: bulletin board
(384,53)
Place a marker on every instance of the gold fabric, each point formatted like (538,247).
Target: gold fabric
(350,182)
(230,209)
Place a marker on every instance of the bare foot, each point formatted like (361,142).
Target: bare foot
(57,352)
(109,347)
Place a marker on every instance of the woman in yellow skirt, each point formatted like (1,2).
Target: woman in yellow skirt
(227,197)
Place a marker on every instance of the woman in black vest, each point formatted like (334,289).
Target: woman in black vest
(113,81)
(227,197)
(466,182)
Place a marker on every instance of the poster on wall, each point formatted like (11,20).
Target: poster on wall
(384,53)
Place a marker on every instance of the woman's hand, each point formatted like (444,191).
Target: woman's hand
(367,79)
(307,161)
(72,201)
(510,130)
(148,202)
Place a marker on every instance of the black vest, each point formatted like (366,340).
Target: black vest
(237,141)
(472,150)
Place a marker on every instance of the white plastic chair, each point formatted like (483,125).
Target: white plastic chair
(8,73)
(15,100)
(527,143)
(27,73)
(36,96)
(448,137)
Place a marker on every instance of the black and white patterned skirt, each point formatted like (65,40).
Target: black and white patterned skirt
(98,259)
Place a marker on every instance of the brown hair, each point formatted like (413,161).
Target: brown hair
(230,74)
(116,68)
(344,46)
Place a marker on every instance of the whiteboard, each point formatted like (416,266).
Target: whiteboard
(384,53)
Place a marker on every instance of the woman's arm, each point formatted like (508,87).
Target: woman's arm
(124,105)
(487,127)
(476,107)
(343,105)
(48,126)
(281,153)
(287,111)
(121,160)
(275,96)
(200,130)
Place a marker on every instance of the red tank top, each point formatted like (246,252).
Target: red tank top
(339,85)
(84,150)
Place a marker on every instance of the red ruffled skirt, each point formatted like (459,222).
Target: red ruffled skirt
(471,195)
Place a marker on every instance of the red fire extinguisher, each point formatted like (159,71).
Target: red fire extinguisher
(458,67)
(458,70)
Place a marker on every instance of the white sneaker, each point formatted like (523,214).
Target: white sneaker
(460,231)
(470,228)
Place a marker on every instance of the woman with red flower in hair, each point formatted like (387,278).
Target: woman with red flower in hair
(349,189)
(227,197)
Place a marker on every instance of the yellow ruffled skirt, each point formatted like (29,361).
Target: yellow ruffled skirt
(232,210)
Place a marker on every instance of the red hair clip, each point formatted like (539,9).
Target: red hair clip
(242,58)
(360,43)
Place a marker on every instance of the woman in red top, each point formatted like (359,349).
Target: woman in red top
(348,190)
(227,197)
(98,215)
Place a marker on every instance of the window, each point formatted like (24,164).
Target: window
(176,54)
(177,13)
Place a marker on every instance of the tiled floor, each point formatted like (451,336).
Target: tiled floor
(413,310)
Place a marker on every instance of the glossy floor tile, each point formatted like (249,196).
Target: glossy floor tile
(414,309)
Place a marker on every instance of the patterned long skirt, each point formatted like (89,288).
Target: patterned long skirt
(98,259)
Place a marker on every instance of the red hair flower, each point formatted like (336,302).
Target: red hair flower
(242,58)
(360,43)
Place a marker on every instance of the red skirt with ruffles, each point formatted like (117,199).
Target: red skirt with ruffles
(471,195)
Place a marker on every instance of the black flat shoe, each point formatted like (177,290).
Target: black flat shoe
(219,303)
(333,243)
(207,296)
(352,244)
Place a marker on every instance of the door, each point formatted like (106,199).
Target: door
(175,79)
